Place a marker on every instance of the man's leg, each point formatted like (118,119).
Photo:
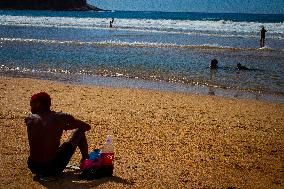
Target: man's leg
(78,138)
(263,42)
(67,149)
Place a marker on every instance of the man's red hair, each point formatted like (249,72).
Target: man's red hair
(42,97)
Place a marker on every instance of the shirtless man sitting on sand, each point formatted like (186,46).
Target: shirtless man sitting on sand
(45,127)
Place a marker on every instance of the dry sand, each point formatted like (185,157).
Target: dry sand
(162,139)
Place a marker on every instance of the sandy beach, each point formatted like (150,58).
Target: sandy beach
(162,139)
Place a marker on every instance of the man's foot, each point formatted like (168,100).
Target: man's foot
(73,166)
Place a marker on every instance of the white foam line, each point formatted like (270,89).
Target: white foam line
(132,44)
(214,28)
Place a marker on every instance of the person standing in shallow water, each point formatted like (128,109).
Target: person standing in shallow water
(111,22)
(45,127)
(262,36)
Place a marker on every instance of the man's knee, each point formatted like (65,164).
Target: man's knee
(76,137)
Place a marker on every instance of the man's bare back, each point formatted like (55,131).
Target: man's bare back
(44,133)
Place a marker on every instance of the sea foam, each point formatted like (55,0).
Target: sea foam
(191,27)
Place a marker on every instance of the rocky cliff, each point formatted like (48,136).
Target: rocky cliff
(47,5)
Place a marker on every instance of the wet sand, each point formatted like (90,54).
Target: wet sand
(162,139)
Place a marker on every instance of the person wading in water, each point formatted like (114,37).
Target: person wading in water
(111,22)
(262,36)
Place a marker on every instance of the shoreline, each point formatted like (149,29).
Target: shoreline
(162,139)
(124,82)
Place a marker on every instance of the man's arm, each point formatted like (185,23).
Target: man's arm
(76,123)
(70,123)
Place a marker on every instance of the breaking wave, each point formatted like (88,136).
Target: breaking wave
(134,44)
(191,27)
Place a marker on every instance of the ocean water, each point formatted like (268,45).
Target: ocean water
(156,50)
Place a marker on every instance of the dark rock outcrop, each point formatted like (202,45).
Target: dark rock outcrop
(47,5)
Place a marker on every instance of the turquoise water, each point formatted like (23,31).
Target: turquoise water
(264,18)
(169,51)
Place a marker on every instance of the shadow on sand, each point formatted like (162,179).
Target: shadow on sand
(71,180)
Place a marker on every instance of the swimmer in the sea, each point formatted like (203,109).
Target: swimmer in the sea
(240,67)
(214,64)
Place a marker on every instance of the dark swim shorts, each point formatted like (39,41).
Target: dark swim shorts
(56,166)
